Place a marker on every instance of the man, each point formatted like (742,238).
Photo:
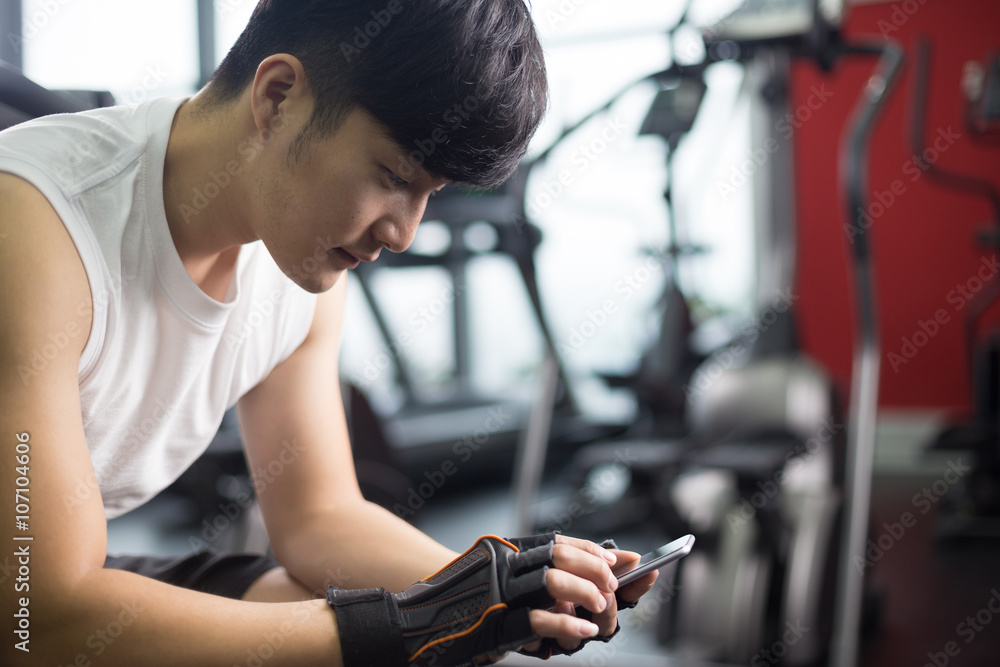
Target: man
(136,245)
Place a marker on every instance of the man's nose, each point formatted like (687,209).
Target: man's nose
(398,232)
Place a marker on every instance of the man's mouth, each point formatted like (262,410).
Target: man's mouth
(343,257)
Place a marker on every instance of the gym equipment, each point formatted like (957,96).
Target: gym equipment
(665,368)
(424,430)
(22,99)
(972,507)
(773,486)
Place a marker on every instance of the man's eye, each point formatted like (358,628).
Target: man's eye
(394,179)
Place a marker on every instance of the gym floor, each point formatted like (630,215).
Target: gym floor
(935,594)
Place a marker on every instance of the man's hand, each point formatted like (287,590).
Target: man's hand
(496,597)
(585,574)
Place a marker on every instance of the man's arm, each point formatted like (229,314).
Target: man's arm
(53,588)
(321,528)
(324,532)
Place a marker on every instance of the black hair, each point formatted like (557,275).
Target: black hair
(460,84)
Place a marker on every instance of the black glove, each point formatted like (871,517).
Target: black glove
(473,612)
(551,647)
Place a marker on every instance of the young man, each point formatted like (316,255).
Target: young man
(136,245)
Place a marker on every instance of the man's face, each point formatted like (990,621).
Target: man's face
(340,202)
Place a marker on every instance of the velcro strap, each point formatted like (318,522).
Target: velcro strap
(532,559)
(529,590)
(532,541)
(369,625)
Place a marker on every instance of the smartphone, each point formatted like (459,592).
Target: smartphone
(657,558)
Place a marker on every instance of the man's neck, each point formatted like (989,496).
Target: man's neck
(205,188)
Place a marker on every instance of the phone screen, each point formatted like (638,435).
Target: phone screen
(657,558)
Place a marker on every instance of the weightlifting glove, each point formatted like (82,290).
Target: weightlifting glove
(473,612)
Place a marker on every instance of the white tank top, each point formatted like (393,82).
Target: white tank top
(164,360)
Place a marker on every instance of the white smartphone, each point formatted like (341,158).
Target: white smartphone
(657,558)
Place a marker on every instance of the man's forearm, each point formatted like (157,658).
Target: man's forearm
(360,546)
(120,618)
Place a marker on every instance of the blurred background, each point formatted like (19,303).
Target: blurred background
(651,330)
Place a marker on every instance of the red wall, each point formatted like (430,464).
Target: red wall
(924,240)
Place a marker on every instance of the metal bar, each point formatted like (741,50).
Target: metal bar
(457,263)
(23,94)
(12,44)
(402,374)
(865,373)
(206,41)
(526,265)
(533,447)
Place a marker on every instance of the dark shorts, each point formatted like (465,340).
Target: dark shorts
(208,571)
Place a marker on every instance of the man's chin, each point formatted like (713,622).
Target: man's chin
(314,275)
(319,282)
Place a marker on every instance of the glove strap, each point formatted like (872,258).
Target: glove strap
(370,627)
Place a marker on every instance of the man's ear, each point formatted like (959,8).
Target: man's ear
(279,94)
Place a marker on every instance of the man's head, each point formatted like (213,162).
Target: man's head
(459,84)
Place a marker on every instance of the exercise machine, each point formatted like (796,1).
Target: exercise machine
(771,482)
(972,507)
(22,99)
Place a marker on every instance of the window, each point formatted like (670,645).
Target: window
(137,50)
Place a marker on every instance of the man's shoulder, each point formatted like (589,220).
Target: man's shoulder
(79,149)
(39,263)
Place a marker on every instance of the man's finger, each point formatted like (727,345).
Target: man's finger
(607,620)
(635,590)
(561,626)
(565,586)
(586,565)
(625,561)
(588,546)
